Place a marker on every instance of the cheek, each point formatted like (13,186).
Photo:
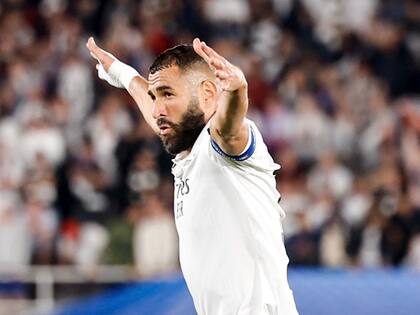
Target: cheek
(176,109)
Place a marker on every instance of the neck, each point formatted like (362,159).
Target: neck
(185,153)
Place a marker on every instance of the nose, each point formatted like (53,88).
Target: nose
(159,110)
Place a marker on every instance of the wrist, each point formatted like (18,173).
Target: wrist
(122,72)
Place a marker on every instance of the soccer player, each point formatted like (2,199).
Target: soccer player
(226,203)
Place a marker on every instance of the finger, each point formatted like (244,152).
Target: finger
(211,52)
(98,53)
(223,75)
(91,45)
(102,56)
(94,56)
(218,83)
(217,63)
(222,85)
(198,48)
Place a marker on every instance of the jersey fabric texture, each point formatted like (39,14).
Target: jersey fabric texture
(229,224)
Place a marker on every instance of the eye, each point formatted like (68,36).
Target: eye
(167,94)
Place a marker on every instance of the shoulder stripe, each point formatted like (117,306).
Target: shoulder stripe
(242,157)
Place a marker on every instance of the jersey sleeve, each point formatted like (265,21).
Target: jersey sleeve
(255,154)
(246,154)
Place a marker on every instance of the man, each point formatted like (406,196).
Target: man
(226,203)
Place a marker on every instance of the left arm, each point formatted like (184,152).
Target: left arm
(228,128)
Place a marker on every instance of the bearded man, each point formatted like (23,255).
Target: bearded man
(226,206)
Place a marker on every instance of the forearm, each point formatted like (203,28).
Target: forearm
(138,88)
(228,127)
(121,75)
(230,114)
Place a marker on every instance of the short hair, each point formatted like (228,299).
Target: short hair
(182,56)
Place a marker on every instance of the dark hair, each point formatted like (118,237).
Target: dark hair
(182,56)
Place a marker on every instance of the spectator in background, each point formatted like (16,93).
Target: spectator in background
(141,163)
(155,239)
(356,205)
(364,242)
(333,86)
(409,128)
(303,247)
(39,136)
(311,131)
(329,176)
(88,186)
(333,242)
(91,245)
(390,57)
(42,224)
(105,128)
(396,233)
(15,238)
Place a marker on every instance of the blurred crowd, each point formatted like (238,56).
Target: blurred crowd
(334,87)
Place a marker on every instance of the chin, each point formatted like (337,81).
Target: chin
(174,147)
(169,146)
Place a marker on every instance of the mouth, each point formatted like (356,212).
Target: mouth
(165,130)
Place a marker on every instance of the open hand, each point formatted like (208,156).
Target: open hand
(103,57)
(105,60)
(229,77)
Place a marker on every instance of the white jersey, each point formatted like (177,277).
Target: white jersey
(229,224)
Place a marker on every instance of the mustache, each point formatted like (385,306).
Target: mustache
(163,121)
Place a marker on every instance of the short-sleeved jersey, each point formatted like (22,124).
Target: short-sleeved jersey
(229,224)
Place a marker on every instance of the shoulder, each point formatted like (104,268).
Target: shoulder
(254,155)
(249,148)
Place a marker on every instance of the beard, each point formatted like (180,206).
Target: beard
(186,132)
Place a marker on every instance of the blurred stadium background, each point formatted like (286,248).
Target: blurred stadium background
(86,191)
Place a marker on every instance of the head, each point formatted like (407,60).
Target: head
(182,87)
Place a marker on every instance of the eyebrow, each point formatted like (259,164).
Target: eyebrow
(163,88)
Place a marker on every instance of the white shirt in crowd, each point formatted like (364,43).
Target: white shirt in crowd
(155,246)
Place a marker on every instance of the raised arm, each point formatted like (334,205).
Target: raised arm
(138,91)
(120,75)
(227,127)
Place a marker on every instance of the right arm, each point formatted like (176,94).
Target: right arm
(120,75)
(138,88)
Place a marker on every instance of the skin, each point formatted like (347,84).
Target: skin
(164,98)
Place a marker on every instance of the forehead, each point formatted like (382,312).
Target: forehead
(170,76)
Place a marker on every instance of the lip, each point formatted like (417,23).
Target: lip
(165,130)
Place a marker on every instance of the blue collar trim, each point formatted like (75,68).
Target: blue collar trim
(244,156)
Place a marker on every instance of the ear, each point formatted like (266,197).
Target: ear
(208,92)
